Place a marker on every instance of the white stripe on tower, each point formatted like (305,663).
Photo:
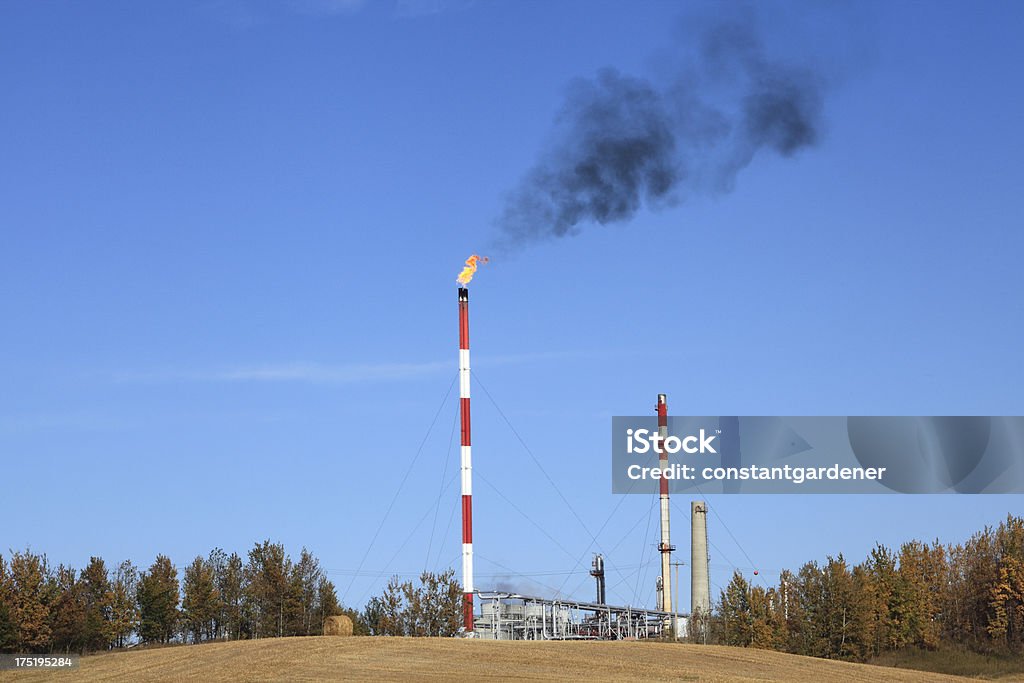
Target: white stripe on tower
(467,463)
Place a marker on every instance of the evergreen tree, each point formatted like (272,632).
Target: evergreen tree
(218,562)
(390,608)
(836,615)
(327,605)
(306,576)
(201,602)
(267,588)
(412,616)
(810,600)
(432,608)
(295,609)
(8,632)
(229,581)
(124,612)
(8,629)
(97,604)
(157,596)
(448,604)
(791,614)
(373,616)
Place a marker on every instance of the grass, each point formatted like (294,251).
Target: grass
(436,659)
(956,662)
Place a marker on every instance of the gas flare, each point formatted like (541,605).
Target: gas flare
(470,269)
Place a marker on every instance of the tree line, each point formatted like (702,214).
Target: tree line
(218,597)
(925,596)
(433,608)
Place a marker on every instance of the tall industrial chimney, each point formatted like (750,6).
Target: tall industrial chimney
(665,546)
(467,464)
(700,588)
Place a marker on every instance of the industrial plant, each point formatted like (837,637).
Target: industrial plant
(513,616)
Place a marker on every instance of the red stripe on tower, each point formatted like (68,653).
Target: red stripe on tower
(467,463)
(663,432)
(467,519)
(466,428)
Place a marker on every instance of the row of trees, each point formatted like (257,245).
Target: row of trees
(221,596)
(926,596)
(434,608)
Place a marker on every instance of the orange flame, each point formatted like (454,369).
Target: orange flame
(470,270)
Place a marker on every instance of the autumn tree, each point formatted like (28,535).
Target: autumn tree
(734,607)
(768,628)
(865,612)
(70,611)
(67,618)
(922,573)
(881,568)
(8,630)
(1006,619)
(32,594)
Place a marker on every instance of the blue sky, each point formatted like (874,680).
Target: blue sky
(231,230)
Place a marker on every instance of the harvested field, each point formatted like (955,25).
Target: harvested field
(428,659)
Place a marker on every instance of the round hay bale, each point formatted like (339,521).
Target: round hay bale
(339,625)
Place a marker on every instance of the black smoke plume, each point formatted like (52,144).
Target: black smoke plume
(622,142)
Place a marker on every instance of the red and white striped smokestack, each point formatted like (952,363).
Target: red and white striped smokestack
(666,538)
(467,463)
